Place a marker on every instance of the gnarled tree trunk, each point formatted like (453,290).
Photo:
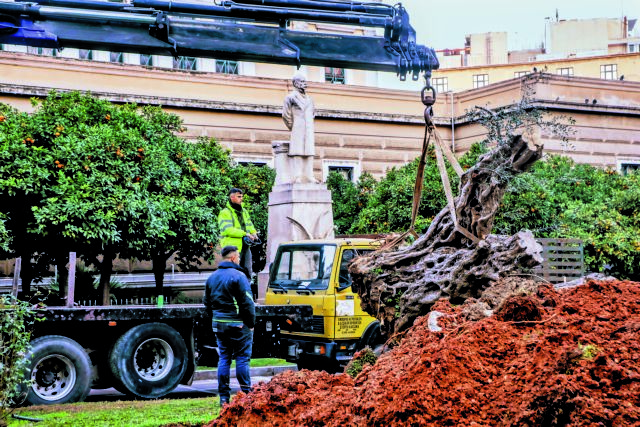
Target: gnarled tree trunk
(399,285)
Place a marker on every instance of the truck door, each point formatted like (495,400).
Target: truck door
(302,274)
(351,321)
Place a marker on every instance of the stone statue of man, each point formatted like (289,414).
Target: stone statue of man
(298,114)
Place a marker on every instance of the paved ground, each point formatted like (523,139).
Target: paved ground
(205,384)
(197,389)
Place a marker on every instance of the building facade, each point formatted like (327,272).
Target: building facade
(358,128)
(607,49)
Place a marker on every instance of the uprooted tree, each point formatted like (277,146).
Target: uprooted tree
(458,257)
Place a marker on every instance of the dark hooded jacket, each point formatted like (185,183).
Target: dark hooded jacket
(228,297)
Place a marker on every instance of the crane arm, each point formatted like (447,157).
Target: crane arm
(238,30)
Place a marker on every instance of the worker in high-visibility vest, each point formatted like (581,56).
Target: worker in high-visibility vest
(236,229)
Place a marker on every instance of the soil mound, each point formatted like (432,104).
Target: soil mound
(574,365)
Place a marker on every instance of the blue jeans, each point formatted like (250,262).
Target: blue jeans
(234,342)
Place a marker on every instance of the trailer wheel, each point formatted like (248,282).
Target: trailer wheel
(60,371)
(149,360)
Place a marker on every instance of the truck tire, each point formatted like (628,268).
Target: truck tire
(60,371)
(149,360)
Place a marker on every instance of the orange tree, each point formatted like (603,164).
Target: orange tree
(85,175)
(559,198)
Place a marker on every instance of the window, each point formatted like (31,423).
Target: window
(185,63)
(440,84)
(518,74)
(257,163)
(45,51)
(146,60)
(609,72)
(633,48)
(565,71)
(629,167)
(349,169)
(480,80)
(86,54)
(227,67)
(334,75)
(344,277)
(345,171)
(303,267)
(117,57)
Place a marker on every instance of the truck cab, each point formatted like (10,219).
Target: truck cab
(315,273)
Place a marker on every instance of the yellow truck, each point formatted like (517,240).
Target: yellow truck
(313,272)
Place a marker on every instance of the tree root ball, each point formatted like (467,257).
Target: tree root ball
(401,284)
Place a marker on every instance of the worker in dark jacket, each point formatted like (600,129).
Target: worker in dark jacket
(228,299)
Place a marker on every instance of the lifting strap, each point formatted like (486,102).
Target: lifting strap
(442,150)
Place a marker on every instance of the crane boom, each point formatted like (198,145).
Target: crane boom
(238,30)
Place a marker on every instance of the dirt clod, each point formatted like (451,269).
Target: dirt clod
(520,309)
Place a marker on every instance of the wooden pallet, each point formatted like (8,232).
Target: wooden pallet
(563,260)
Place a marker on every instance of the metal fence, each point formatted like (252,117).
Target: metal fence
(563,260)
(151,301)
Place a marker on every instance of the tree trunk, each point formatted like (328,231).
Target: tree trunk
(106,268)
(61,261)
(159,261)
(399,285)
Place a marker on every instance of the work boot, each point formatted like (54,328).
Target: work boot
(223,402)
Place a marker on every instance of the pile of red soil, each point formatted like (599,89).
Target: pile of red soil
(566,358)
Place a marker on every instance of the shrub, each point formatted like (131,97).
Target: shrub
(364,357)
(15,318)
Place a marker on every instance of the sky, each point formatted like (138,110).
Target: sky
(444,24)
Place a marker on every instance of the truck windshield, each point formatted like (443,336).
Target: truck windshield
(303,267)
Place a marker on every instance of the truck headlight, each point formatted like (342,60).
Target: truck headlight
(352,346)
(319,349)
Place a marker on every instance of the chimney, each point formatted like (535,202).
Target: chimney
(625,28)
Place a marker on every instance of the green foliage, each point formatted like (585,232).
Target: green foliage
(348,198)
(149,413)
(394,301)
(5,238)
(588,351)
(561,199)
(385,206)
(15,318)
(361,359)
(82,174)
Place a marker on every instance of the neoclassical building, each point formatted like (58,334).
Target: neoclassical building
(359,127)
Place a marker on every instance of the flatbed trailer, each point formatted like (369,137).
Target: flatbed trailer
(143,351)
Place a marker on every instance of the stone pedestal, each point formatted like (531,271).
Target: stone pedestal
(297,211)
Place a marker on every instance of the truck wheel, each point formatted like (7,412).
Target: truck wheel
(60,371)
(149,360)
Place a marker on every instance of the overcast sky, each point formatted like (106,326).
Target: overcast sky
(444,24)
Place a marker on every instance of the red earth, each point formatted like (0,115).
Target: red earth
(555,358)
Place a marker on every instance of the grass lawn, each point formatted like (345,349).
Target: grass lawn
(150,413)
(255,363)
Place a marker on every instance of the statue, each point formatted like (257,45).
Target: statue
(298,114)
